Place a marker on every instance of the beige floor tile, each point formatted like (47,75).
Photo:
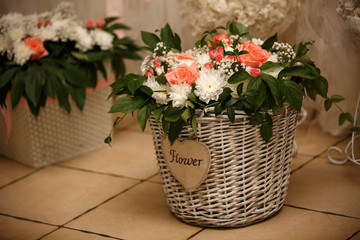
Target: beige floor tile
(69,234)
(311,140)
(156,178)
(323,186)
(291,224)
(15,229)
(56,195)
(132,155)
(140,213)
(299,160)
(11,170)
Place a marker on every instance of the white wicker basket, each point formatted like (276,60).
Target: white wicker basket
(56,135)
(248,178)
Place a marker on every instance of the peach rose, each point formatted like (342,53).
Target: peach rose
(183,73)
(37,46)
(256,55)
(184,56)
(218,38)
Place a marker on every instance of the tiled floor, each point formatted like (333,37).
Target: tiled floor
(115,193)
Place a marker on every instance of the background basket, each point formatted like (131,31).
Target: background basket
(56,135)
(248,178)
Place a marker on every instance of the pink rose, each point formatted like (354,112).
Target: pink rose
(157,63)
(89,23)
(219,38)
(37,46)
(254,72)
(183,73)
(256,55)
(184,56)
(208,65)
(218,54)
(100,22)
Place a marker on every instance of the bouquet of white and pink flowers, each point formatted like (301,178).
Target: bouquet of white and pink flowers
(54,54)
(228,70)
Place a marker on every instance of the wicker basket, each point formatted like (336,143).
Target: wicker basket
(56,135)
(248,178)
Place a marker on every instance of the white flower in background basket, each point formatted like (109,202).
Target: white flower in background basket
(46,33)
(102,39)
(83,39)
(5,44)
(22,52)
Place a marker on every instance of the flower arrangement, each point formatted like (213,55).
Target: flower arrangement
(228,70)
(54,54)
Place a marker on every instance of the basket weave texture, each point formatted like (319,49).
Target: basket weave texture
(56,135)
(248,178)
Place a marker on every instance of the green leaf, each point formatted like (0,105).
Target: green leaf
(6,76)
(161,79)
(146,90)
(273,85)
(158,112)
(224,94)
(292,93)
(239,76)
(266,131)
(17,89)
(218,109)
(78,95)
(268,119)
(186,115)
(258,88)
(269,65)
(322,86)
(167,36)
(337,98)
(134,82)
(193,123)
(62,96)
(231,113)
(143,114)
(175,129)
(34,81)
(345,116)
(110,19)
(256,119)
(127,104)
(150,39)
(76,78)
(296,71)
(172,114)
(177,42)
(239,88)
(117,26)
(108,140)
(327,104)
(236,28)
(269,42)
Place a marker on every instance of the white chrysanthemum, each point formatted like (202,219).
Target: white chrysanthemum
(209,85)
(203,58)
(178,94)
(102,39)
(84,41)
(160,70)
(5,44)
(22,52)
(159,91)
(16,34)
(273,58)
(46,33)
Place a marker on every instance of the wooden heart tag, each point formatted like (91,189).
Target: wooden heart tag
(188,161)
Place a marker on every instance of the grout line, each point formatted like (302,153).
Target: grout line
(100,173)
(80,230)
(354,235)
(196,233)
(319,211)
(29,220)
(21,178)
(302,165)
(107,200)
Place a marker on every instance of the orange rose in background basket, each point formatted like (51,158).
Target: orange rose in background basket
(37,46)
(256,56)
